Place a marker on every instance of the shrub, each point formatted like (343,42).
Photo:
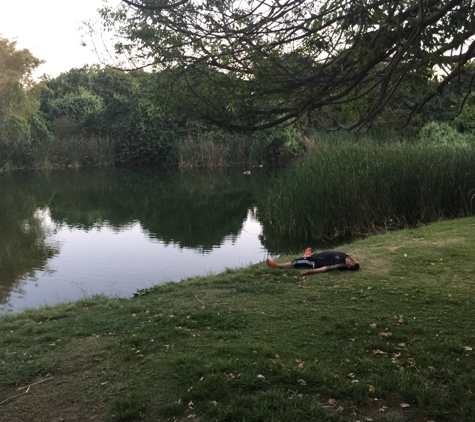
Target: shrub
(465,121)
(442,134)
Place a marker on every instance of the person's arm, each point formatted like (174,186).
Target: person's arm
(315,271)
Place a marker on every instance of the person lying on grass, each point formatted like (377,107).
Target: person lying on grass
(320,262)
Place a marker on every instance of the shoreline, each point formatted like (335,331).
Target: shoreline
(377,343)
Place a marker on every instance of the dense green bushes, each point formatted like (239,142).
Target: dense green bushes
(442,134)
(103,117)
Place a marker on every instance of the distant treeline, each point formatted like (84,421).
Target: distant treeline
(106,117)
(103,117)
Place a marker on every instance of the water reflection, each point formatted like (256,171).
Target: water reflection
(70,234)
(23,249)
(195,210)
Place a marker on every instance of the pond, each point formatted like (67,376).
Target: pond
(66,235)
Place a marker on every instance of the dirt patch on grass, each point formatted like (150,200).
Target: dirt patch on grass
(372,265)
(45,402)
(392,408)
(448,241)
(76,392)
(395,248)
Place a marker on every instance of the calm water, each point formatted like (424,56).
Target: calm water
(66,235)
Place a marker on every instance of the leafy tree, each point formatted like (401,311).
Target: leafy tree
(18,105)
(273,61)
(110,103)
(78,106)
(16,65)
(68,100)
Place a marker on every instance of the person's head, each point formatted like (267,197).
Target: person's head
(352,263)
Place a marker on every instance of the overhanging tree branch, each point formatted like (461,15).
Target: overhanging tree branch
(275,60)
(156,7)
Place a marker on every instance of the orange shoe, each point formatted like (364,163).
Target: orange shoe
(307,253)
(270,263)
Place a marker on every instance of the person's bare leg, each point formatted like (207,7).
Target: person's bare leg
(274,264)
(284,265)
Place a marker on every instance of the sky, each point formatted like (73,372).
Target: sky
(50,30)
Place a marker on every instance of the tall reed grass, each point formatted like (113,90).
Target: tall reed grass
(87,151)
(73,151)
(203,151)
(71,147)
(210,150)
(349,189)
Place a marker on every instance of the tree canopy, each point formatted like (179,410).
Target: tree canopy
(257,63)
(17,100)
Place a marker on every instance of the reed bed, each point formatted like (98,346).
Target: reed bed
(87,151)
(73,151)
(210,150)
(349,189)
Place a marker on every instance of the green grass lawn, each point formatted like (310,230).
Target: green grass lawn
(391,342)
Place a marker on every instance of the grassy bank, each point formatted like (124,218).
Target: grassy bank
(392,342)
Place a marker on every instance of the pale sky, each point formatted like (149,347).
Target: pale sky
(50,30)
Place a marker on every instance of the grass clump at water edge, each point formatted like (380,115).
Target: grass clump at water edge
(391,342)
